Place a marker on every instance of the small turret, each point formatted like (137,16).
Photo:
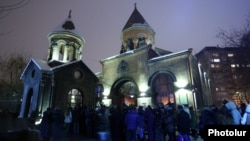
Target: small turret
(65,43)
(136,33)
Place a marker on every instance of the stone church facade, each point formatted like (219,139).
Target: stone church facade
(141,74)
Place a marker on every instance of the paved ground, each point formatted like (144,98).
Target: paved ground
(34,136)
(81,138)
(7,125)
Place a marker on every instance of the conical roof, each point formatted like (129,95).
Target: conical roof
(135,19)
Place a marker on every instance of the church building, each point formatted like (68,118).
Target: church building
(141,74)
(63,79)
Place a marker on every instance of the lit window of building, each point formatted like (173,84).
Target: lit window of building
(216,60)
(232,65)
(230,54)
(212,66)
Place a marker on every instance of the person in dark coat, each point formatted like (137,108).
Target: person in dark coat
(149,122)
(57,124)
(140,131)
(159,125)
(89,121)
(116,123)
(169,121)
(183,123)
(76,119)
(207,117)
(103,124)
(45,126)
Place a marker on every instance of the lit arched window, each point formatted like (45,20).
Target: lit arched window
(75,97)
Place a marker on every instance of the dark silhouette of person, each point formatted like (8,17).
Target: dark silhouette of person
(149,122)
(57,124)
(116,123)
(45,126)
(169,121)
(183,123)
(132,123)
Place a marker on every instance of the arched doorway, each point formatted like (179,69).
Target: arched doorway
(28,102)
(75,98)
(162,87)
(124,91)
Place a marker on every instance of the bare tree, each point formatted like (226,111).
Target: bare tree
(236,37)
(239,38)
(10,72)
(6,6)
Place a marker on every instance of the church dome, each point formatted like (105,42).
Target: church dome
(67,27)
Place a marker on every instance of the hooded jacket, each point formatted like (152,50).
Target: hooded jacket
(234,111)
(246,116)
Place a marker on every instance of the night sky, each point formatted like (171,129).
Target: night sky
(179,24)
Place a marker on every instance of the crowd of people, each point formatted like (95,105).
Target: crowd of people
(228,114)
(130,123)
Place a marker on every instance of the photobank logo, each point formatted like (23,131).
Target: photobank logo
(226,131)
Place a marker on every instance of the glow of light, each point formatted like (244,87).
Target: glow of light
(181,92)
(106,90)
(182,83)
(38,122)
(144,101)
(143,87)
(107,102)
(143,94)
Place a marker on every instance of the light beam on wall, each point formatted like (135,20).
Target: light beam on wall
(181,83)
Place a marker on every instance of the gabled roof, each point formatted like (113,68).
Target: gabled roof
(171,55)
(40,64)
(135,19)
(61,67)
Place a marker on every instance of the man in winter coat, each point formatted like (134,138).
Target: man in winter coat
(103,124)
(57,124)
(183,123)
(45,126)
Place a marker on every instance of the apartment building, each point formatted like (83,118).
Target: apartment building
(228,72)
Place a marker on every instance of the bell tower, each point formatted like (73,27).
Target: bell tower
(65,43)
(136,33)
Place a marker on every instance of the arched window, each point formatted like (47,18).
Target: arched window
(75,97)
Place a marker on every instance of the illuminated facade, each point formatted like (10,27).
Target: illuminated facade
(63,79)
(143,74)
